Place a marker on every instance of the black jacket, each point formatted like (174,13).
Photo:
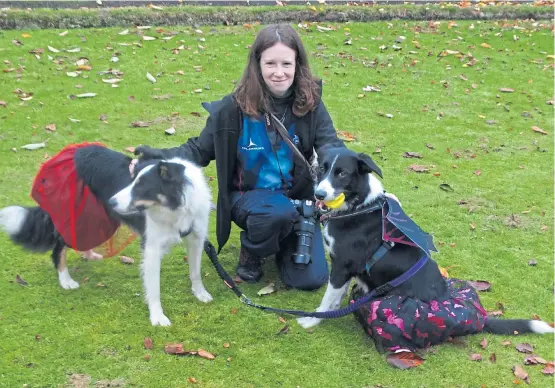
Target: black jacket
(218,141)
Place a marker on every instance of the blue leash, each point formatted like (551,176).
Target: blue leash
(381,290)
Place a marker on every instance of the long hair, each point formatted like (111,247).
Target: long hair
(251,92)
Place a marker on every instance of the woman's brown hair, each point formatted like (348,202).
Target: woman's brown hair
(252,94)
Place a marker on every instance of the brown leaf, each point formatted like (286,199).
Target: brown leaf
(17,42)
(506,343)
(495,313)
(36,51)
(478,172)
(532,262)
(282,320)
(549,369)
(196,114)
(204,354)
(412,155)
(534,360)
(103,117)
(147,357)
(284,330)
(521,373)
(148,343)
(139,124)
(192,380)
(506,90)
(233,310)
(480,285)
(404,360)
(538,130)
(524,347)
(345,136)
(174,349)
(3,104)
(476,357)
(51,127)
(430,146)
(493,358)
(130,149)
(418,168)
(226,345)
(484,343)
(131,98)
(20,281)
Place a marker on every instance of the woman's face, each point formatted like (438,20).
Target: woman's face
(277,64)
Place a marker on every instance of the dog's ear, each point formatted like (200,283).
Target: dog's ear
(366,165)
(170,171)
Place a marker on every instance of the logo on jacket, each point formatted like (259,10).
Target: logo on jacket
(252,146)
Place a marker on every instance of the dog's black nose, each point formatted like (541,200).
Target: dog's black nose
(112,202)
(320,194)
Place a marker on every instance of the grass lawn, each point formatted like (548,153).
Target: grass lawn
(441,84)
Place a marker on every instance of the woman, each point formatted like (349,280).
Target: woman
(258,172)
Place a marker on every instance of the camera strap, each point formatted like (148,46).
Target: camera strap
(352,307)
(272,122)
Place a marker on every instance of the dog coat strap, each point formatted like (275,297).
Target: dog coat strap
(380,253)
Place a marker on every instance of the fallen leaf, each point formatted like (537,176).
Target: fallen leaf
(521,373)
(430,146)
(130,149)
(538,130)
(139,124)
(495,313)
(476,357)
(150,77)
(506,343)
(418,168)
(346,136)
(147,343)
(270,288)
(192,380)
(20,281)
(86,95)
(34,146)
(74,120)
(283,330)
(51,127)
(112,80)
(446,187)
(103,117)
(3,104)
(174,349)
(404,360)
(549,369)
(204,354)
(196,114)
(170,131)
(126,260)
(532,263)
(478,172)
(493,358)
(282,320)
(534,360)
(484,343)
(226,345)
(412,155)
(506,90)
(524,347)
(480,285)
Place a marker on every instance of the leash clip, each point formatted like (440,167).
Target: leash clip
(245,299)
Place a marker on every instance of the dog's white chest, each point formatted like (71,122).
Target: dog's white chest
(329,241)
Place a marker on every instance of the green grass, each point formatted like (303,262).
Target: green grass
(99,331)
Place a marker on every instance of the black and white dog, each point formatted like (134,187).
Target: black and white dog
(168,200)
(352,235)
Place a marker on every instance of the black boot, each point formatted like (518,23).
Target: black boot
(249,267)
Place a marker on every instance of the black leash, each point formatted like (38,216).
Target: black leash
(355,305)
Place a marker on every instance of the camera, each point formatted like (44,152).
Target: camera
(304,228)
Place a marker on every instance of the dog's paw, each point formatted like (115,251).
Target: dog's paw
(308,322)
(202,295)
(159,320)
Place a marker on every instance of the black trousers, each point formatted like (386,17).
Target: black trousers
(267,218)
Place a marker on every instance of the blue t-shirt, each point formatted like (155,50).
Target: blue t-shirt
(262,166)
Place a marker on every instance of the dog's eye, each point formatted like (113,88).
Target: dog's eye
(321,169)
(342,174)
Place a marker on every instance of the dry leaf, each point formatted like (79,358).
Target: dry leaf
(534,360)
(51,127)
(226,345)
(270,288)
(33,146)
(130,149)
(345,136)
(148,343)
(20,281)
(404,360)
(418,168)
(174,349)
(150,77)
(549,369)
(538,130)
(506,343)
(484,343)
(204,354)
(283,330)
(126,260)
(521,373)
(86,95)
(476,357)
(524,347)
(3,104)
(192,380)
(493,358)
(139,124)
(506,90)
(480,285)
(412,155)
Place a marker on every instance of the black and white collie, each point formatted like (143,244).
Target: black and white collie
(168,200)
(352,236)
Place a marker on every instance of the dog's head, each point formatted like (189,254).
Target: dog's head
(344,171)
(157,185)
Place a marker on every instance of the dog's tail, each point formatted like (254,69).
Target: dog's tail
(517,326)
(30,227)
